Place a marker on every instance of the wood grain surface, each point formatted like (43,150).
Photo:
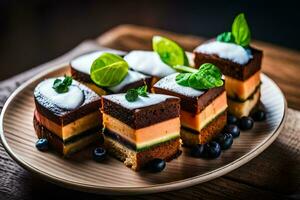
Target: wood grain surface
(274,174)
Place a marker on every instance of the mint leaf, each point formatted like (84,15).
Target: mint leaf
(68,80)
(226,37)
(142,91)
(183,79)
(169,51)
(208,76)
(241,31)
(132,94)
(109,70)
(62,86)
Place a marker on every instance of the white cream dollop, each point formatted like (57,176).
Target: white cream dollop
(169,83)
(148,62)
(68,100)
(141,102)
(230,51)
(84,62)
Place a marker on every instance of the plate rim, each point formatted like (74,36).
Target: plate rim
(162,187)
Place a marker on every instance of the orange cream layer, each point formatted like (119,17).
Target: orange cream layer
(242,89)
(200,120)
(78,126)
(149,135)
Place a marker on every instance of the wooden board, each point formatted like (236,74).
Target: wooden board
(274,174)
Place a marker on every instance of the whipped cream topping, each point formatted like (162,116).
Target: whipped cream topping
(148,62)
(141,102)
(68,100)
(229,51)
(84,62)
(169,83)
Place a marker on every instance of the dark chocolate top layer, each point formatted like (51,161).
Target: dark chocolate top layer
(143,112)
(192,100)
(45,106)
(80,76)
(232,69)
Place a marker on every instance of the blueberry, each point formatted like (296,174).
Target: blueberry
(259,115)
(42,144)
(197,151)
(156,165)
(212,150)
(231,119)
(99,154)
(246,123)
(233,130)
(225,140)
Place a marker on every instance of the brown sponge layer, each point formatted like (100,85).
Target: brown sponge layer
(137,160)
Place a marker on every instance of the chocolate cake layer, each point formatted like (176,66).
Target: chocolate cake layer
(57,143)
(80,76)
(191,137)
(62,116)
(141,117)
(193,101)
(229,68)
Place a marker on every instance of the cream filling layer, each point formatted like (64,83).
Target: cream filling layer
(156,133)
(198,121)
(79,144)
(242,89)
(240,109)
(76,127)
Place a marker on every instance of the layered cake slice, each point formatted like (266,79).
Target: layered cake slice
(80,70)
(239,62)
(67,114)
(203,112)
(140,131)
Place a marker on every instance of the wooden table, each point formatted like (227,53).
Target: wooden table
(275,174)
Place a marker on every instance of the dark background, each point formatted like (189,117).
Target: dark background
(33,32)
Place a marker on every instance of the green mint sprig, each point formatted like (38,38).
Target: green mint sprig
(226,37)
(62,86)
(240,32)
(133,94)
(206,77)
